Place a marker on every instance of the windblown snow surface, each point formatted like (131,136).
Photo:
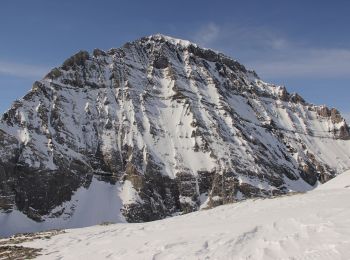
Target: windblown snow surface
(314,225)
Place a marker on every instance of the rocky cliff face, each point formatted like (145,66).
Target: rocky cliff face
(176,126)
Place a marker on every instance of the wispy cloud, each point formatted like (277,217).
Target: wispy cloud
(273,54)
(230,37)
(207,34)
(322,63)
(22,70)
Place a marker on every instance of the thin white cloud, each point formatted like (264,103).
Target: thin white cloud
(207,34)
(306,63)
(238,38)
(22,70)
(272,54)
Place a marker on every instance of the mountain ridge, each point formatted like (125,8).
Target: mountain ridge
(177,127)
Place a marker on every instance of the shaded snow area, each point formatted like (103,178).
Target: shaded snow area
(89,206)
(314,225)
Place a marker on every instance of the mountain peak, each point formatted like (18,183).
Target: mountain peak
(175,128)
(170,39)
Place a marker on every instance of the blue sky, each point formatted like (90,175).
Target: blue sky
(304,45)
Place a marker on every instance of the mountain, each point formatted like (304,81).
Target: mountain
(313,225)
(156,128)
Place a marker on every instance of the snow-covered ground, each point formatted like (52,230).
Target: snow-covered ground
(315,225)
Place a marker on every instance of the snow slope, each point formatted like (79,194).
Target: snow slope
(315,225)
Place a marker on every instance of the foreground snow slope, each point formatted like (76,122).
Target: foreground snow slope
(315,225)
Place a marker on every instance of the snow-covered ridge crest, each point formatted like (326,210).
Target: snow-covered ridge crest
(173,40)
(175,126)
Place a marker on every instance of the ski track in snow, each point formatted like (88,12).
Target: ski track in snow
(315,225)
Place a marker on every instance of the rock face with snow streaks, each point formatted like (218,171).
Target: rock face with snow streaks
(178,127)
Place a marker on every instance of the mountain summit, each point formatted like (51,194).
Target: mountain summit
(167,127)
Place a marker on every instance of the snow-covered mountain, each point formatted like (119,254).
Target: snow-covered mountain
(169,127)
(315,225)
